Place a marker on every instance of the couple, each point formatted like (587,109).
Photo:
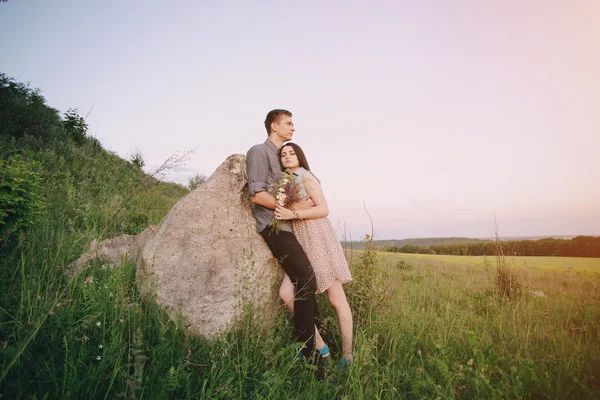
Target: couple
(305,245)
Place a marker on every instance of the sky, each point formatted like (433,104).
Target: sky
(421,119)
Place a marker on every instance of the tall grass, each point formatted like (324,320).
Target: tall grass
(442,333)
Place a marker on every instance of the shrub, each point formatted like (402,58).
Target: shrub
(196,181)
(507,280)
(404,266)
(75,126)
(21,201)
(369,291)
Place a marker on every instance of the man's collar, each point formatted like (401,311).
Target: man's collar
(271,145)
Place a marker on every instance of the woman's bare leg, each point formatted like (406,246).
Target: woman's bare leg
(338,300)
(286,294)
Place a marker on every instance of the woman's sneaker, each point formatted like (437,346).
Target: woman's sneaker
(324,351)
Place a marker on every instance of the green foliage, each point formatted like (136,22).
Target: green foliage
(580,246)
(508,283)
(398,243)
(369,292)
(440,336)
(21,199)
(137,159)
(75,126)
(196,181)
(25,118)
(404,266)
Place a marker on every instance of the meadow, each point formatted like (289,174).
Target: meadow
(425,327)
(556,264)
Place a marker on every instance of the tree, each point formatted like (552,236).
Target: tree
(75,126)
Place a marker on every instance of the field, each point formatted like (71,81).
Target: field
(426,327)
(557,264)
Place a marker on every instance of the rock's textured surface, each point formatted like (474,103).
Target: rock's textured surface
(113,251)
(205,259)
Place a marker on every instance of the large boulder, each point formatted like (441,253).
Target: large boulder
(205,262)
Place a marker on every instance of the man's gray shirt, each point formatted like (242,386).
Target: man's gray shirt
(264,170)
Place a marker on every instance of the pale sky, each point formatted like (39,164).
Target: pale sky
(436,114)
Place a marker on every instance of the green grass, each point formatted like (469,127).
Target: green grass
(570,264)
(440,333)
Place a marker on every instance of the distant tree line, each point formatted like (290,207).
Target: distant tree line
(580,246)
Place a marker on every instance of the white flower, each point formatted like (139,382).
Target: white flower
(85,338)
(100,346)
(98,358)
(121,320)
(281,190)
(98,324)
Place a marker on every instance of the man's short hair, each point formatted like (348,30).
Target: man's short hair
(273,116)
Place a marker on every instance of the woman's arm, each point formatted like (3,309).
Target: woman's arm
(313,188)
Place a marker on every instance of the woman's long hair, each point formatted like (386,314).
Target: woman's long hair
(299,153)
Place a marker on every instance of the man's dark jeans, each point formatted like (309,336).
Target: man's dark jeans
(291,257)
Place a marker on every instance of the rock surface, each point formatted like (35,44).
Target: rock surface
(113,251)
(205,260)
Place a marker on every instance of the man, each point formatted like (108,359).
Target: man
(264,169)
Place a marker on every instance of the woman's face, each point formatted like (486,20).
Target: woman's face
(289,158)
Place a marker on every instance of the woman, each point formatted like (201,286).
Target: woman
(322,247)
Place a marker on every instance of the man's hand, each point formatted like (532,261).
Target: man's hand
(264,199)
(283,213)
(303,204)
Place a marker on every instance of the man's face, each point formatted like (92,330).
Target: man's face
(283,128)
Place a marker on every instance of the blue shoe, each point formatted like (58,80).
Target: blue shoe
(324,351)
(343,364)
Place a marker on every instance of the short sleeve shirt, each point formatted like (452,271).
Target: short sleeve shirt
(264,170)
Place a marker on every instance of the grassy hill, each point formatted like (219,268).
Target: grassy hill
(59,189)
(52,170)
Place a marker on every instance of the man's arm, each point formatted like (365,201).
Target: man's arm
(264,199)
(303,204)
(257,167)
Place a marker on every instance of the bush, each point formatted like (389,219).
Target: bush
(75,126)
(404,266)
(370,291)
(196,181)
(21,201)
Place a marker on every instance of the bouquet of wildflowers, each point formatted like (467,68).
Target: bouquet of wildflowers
(286,191)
